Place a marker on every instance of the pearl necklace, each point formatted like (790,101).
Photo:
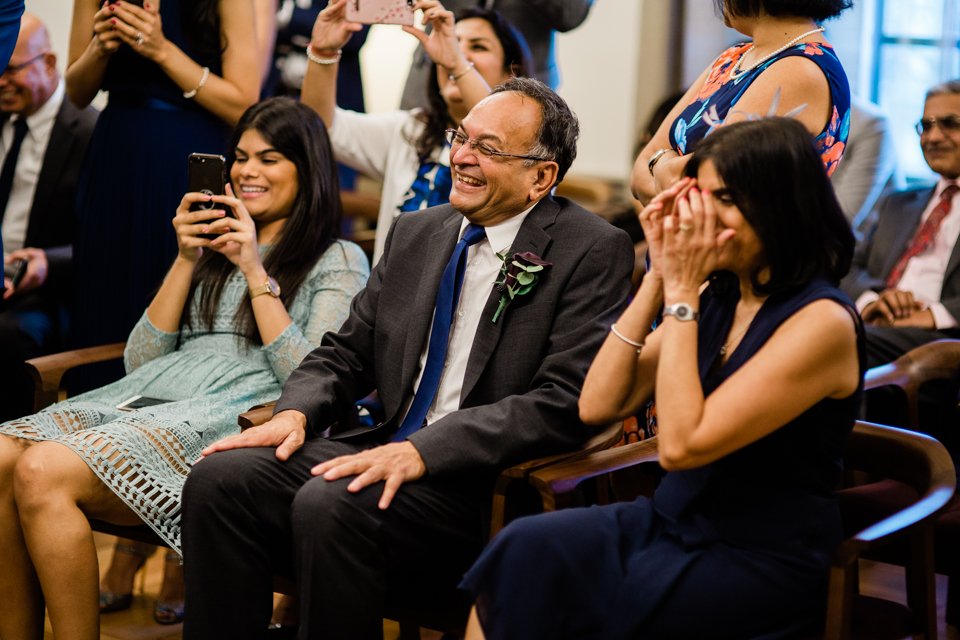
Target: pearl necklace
(736,73)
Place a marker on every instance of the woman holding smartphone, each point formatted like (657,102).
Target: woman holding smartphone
(233,317)
(407,150)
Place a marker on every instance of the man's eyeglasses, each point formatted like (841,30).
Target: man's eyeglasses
(13,68)
(947,124)
(458,139)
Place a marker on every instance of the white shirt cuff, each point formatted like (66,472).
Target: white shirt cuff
(942,318)
(866,298)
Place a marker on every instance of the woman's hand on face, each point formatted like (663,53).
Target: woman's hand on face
(189,224)
(657,210)
(104,34)
(691,245)
(140,28)
(331,31)
(441,44)
(237,235)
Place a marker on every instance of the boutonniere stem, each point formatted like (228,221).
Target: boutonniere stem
(518,276)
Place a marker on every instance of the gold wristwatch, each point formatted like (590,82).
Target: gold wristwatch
(270,286)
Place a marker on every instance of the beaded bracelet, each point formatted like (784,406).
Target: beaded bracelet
(203,80)
(312,57)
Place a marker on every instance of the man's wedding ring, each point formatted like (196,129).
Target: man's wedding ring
(139,38)
(685,227)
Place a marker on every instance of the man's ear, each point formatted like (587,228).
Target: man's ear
(546,178)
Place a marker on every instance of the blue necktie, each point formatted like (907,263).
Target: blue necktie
(447,297)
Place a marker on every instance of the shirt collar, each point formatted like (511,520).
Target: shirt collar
(942,184)
(502,235)
(44,116)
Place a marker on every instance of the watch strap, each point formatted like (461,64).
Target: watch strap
(682,312)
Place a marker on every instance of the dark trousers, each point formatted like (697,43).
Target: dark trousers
(247,517)
(30,325)
(938,398)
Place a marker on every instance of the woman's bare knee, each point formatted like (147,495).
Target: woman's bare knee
(46,473)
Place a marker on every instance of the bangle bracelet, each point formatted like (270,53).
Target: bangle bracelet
(655,158)
(203,80)
(633,343)
(456,76)
(315,58)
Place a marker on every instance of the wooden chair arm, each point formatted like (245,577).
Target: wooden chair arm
(360,206)
(48,371)
(255,415)
(604,439)
(935,360)
(557,479)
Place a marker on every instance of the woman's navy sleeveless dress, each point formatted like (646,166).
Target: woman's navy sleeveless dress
(738,548)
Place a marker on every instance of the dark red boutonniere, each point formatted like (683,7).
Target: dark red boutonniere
(518,276)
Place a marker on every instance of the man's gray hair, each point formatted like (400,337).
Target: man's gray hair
(950,87)
(556,138)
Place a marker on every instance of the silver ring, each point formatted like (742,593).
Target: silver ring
(685,227)
(139,38)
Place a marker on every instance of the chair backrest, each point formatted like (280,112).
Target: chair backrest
(922,463)
(937,360)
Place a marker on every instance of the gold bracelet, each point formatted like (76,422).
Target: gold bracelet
(203,80)
(456,76)
(633,343)
(312,57)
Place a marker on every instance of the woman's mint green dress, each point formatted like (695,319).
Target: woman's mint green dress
(144,455)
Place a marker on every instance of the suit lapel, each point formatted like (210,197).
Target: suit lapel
(51,171)
(441,244)
(909,217)
(531,237)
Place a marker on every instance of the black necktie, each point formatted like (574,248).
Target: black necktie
(10,163)
(447,296)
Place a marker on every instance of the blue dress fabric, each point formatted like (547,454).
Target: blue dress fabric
(133,178)
(721,91)
(739,548)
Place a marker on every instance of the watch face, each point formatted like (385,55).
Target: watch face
(682,312)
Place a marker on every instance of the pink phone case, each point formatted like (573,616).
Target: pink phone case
(380,12)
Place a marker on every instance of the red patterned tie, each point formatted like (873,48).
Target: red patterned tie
(925,235)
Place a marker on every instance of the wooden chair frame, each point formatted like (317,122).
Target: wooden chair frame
(873,448)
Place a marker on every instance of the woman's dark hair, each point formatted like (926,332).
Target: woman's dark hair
(295,131)
(775,176)
(200,21)
(516,61)
(817,10)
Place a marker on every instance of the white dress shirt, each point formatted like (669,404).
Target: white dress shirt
(483,270)
(29,163)
(923,276)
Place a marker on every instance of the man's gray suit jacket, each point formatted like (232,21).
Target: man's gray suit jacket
(898,217)
(524,373)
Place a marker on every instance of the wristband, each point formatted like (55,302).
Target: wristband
(315,58)
(655,158)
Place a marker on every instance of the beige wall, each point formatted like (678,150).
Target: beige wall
(603,63)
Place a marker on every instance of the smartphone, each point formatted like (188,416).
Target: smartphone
(206,173)
(138,402)
(15,271)
(380,12)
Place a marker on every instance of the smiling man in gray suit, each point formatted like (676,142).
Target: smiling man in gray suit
(365,519)
(906,274)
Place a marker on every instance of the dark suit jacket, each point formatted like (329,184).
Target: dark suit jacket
(52,218)
(524,373)
(897,219)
